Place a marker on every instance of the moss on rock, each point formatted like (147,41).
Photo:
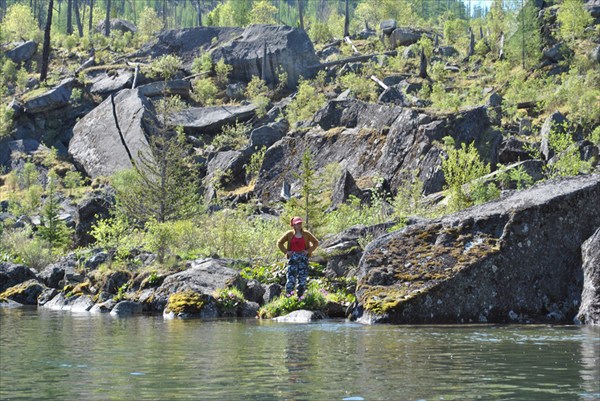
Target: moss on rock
(185,302)
(418,260)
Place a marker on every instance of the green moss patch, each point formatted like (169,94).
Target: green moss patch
(418,260)
(185,302)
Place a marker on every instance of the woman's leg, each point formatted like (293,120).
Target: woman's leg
(302,274)
(292,272)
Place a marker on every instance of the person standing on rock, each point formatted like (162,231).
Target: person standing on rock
(297,244)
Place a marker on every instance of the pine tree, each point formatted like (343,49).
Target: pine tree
(53,229)
(164,186)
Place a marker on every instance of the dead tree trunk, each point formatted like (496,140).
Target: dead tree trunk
(107,20)
(46,47)
(347,20)
(91,17)
(423,65)
(78,18)
(69,17)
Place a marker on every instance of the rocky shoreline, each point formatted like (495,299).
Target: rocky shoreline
(529,257)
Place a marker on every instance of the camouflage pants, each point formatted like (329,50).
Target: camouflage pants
(297,269)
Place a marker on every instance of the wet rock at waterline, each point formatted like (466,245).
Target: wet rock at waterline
(589,312)
(516,259)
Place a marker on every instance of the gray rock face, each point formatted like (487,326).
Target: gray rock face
(267,135)
(387,26)
(23,52)
(210,120)
(97,145)
(26,293)
(287,48)
(126,308)
(203,277)
(27,146)
(117,25)
(188,43)
(589,312)
(179,87)
(378,140)
(105,84)
(514,259)
(12,274)
(91,209)
(55,98)
(231,162)
(405,37)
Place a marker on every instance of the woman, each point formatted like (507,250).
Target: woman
(298,244)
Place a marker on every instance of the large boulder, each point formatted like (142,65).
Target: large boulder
(117,24)
(12,274)
(23,52)
(287,48)
(370,140)
(99,147)
(52,99)
(405,37)
(25,293)
(516,259)
(104,84)
(210,120)
(95,206)
(20,146)
(189,42)
(204,276)
(589,312)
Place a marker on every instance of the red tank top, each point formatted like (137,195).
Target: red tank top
(297,244)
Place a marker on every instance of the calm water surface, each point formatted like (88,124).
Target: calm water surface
(49,355)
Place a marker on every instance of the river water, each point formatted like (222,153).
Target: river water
(50,355)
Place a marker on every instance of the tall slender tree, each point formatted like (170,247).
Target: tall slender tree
(78,18)
(347,20)
(46,47)
(90,27)
(69,17)
(107,20)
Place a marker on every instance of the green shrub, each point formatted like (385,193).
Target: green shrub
(256,162)
(202,64)
(204,91)
(306,103)
(20,24)
(222,72)
(33,252)
(319,32)
(362,87)
(149,23)
(265,273)
(6,121)
(114,234)
(573,19)
(229,300)
(232,136)
(567,159)
(461,168)
(9,71)
(258,93)
(165,67)
(313,299)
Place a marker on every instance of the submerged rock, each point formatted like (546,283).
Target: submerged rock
(516,259)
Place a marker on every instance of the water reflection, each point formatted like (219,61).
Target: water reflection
(50,355)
